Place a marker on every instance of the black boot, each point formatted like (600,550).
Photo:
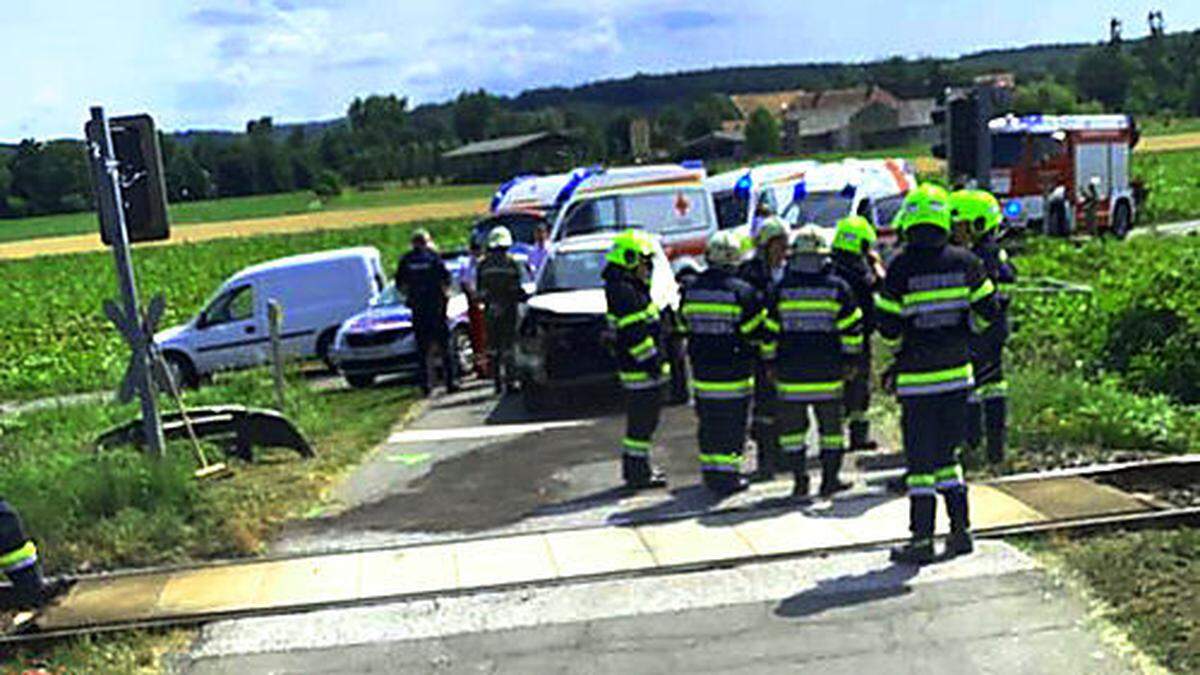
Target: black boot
(996,421)
(800,486)
(860,436)
(919,549)
(960,541)
(725,483)
(831,466)
(767,452)
(31,589)
(639,475)
(974,424)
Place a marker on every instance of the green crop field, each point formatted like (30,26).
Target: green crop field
(1173,179)
(1158,126)
(259,206)
(54,338)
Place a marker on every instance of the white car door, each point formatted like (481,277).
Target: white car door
(230,332)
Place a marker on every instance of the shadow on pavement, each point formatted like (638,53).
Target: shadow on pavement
(849,590)
(683,501)
(568,404)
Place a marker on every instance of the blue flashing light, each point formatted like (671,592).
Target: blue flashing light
(800,192)
(505,187)
(849,190)
(1012,209)
(577,176)
(692,164)
(741,189)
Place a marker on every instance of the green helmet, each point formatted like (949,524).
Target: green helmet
(812,239)
(853,235)
(724,249)
(628,247)
(929,204)
(978,207)
(422,233)
(499,237)
(769,229)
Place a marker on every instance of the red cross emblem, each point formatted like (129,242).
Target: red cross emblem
(682,205)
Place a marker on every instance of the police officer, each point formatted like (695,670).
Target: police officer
(722,316)
(640,352)
(425,282)
(977,215)
(852,242)
(818,325)
(762,272)
(924,310)
(19,561)
(500,288)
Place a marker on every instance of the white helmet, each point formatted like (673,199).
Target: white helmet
(724,249)
(812,239)
(499,237)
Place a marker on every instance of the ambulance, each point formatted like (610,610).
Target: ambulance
(872,188)
(667,200)
(738,194)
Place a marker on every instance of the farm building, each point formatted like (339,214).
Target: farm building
(716,145)
(843,119)
(499,158)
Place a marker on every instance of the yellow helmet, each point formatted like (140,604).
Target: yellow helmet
(812,239)
(929,204)
(854,234)
(724,249)
(978,207)
(769,229)
(629,247)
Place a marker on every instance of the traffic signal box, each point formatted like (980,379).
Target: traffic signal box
(143,190)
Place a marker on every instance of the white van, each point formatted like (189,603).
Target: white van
(317,291)
(870,188)
(738,193)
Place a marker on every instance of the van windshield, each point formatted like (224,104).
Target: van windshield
(572,271)
(822,208)
(668,210)
(388,297)
(731,209)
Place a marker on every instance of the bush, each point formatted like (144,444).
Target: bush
(327,185)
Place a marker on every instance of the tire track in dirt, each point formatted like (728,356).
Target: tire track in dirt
(304,222)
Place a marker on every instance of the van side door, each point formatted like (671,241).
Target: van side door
(231,331)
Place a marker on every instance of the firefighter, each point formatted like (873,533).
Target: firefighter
(19,560)
(932,295)
(818,328)
(762,272)
(852,242)
(977,214)
(722,316)
(500,287)
(423,278)
(640,352)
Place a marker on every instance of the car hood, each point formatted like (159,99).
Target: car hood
(374,319)
(169,334)
(583,301)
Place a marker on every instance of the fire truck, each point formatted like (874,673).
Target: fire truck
(1062,174)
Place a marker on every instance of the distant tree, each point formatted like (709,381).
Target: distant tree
(1044,96)
(49,177)
(327,184)
(762,133)
(667,132)
(234,173)
(186,179)
(474,115)
(1192,104)
(5,184)
(707,114)
(1105,74)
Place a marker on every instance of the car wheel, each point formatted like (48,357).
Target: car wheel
(360,381)
(323,346)
(1121,222)
(181,371)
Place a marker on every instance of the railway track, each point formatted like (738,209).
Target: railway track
(1088,499)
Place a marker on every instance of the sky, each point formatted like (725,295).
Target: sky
(214,64)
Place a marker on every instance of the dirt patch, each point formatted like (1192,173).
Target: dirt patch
(1188,141)
(304,222)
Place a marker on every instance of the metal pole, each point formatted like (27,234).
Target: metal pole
(112,216)
(274,322)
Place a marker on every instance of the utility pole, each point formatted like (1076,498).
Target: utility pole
(106,169)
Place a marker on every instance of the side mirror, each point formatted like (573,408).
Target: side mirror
(201,321)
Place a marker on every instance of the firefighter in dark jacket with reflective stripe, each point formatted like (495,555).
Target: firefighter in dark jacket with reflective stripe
(500,287)
(762,272)
(640,352)
(818,328)
(977,217)
(19,561)
(723,320)
(932,297)
(852,243)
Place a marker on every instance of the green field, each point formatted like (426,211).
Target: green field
(259,206)
(1159,126)
(55,339)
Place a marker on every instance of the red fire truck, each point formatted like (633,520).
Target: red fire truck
(1061,174)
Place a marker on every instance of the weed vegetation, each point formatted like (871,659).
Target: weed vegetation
(55,339)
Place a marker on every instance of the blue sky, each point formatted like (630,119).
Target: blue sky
(217,63)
